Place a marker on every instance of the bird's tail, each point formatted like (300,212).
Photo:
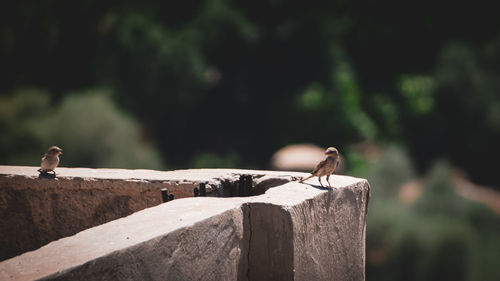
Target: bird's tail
(304,179)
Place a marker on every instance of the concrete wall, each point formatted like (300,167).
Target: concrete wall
(35,211)
(291,232)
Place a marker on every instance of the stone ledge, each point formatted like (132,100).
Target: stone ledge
(292,232)
(190,175)
(35,211)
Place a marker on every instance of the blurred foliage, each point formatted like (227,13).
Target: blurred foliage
(464,125)
(417,90)
(20,114)
(212,160)
(325,72)
(88,126)
(393,169)
(441,236)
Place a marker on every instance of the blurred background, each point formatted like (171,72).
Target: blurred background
(408,92)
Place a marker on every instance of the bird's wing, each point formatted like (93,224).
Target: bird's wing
(318,167)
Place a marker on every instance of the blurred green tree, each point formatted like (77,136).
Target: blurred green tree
(89,127)
(20,114)
(328,72)
(440,236)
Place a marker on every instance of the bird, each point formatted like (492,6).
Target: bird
(326,167)
(50,160)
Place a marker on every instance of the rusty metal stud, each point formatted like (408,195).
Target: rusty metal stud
(241,186)
(248,185)
(164,195)
(203,189)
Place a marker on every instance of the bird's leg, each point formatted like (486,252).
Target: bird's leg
(328,180)
(319,179)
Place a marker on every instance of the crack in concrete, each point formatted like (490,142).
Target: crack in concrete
(249,239)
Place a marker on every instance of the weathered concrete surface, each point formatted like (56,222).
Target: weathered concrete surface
(35,211)
(329,235)
(303,232)
(292,232)
(271,250)
(186,239)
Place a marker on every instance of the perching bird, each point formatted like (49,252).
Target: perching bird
(326,167)
(50,160)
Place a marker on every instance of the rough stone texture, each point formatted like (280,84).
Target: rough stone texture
(304,232)
(271,251)
(186,239)
(329,235)
(35,211)
(291,232)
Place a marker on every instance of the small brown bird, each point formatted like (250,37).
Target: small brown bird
(326,167)
(50,160)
